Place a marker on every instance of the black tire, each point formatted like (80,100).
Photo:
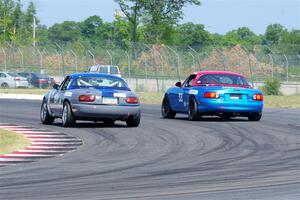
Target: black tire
(166,110)
(4,85)
(68,119)
(108,122)
(225,117)
(193,113)
(255,117)
(45,116)
(134,121)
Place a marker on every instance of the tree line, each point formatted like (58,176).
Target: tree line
(139,21)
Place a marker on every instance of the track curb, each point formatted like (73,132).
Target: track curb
(44,144)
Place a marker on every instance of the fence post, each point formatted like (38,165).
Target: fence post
(224,62)
(194,57)
(249,63)
(287,68)
(110,55)
(162,70)
(75,58)
(178,61)
(93,56)
(62,59)
(5,59)
(129,64)
(193,61)
(41,61)
(22,59)
(272,65)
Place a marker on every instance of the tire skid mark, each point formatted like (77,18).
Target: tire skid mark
(44,144)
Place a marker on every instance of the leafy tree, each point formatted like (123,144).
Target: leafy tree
(274,33)
(194,35)
(160,16)
(133,10)
(68,31)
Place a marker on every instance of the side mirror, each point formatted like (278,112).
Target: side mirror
(55,86)
(178,84)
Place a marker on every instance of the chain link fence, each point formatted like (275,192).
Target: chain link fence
(154,66)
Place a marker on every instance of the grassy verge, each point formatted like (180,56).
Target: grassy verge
(23,91)
(10,142)
(156,98)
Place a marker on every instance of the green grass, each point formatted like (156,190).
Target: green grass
(156,98)
(10,142)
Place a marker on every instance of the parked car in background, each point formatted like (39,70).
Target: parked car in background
(38,80)
(106,69)
(12,80)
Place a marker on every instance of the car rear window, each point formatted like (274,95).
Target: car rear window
(224,79)
(114,70)
(103,69)
(45,76)
(99,81)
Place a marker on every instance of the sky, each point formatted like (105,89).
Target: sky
(218,16)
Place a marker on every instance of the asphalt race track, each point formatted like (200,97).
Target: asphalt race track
(162,159)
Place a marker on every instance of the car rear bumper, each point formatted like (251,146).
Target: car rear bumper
(22,84)
(228,106)
(84,111)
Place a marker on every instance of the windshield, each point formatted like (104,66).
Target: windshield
(12,74)
(99,81)
(223,79)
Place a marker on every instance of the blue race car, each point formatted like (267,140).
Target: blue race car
(91,96)
(215,93)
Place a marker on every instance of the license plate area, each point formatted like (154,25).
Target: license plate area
(110,100)
(236,96)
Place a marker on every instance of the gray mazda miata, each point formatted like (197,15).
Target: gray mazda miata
(92,97)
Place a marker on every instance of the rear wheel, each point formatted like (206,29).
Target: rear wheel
(4,85)
(193,113)
(68,118)
(45,116)
(134,121)
(255,117)
(166,110)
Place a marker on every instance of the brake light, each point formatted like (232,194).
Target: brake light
(211,95)
(87,98)
(17,79)
(258,97)
(131,100)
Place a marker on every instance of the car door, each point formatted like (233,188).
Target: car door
(186,87)
(57,97)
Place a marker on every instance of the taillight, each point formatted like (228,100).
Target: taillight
(211,95)
(258,97)
(17,79)
(87,98)
(131,100)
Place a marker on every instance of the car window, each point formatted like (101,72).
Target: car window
(2,75)
(12,74)
(99,81)
(103,69)
(65,83)
(114,70)
(189,81)
(223,79)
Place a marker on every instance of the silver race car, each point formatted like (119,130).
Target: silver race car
(92,97)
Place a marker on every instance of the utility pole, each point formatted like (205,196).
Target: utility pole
(33,31)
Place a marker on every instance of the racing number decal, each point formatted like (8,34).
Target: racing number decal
(180,97)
